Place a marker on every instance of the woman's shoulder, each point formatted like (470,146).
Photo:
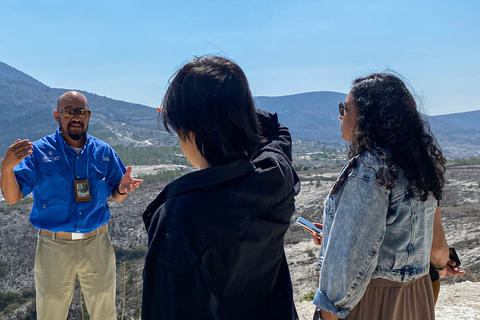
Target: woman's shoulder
(372,156)
(368,164)
(376,166)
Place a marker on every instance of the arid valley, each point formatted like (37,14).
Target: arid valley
(459,297)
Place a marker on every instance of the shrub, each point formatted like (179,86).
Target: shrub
(125,254)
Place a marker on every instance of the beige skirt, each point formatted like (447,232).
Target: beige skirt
(390,300)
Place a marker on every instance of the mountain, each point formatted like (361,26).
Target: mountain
(9,73)
(26,111)
(458,133)
(314,116)
(310,116)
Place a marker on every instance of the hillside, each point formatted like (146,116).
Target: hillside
(314,116)
(310,116)
(26,111)
(458,133)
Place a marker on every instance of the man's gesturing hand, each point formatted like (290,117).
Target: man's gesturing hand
(18,151)
(128,184)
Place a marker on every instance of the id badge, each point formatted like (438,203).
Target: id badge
(82,190)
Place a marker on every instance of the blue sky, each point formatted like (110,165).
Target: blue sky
(128,50)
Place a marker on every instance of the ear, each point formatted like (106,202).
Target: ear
(56,115)
(191,136)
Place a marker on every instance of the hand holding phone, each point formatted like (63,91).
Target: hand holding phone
(308,225)
(314,228)
(454,257)
(453,265)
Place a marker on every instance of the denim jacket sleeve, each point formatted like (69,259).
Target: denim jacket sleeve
(354,229)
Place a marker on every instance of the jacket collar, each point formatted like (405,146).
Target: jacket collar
(198,179)
(210,176)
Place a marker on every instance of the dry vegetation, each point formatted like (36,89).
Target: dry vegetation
(461,216)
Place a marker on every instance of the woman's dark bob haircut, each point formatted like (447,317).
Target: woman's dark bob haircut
(389,122)
(210,97)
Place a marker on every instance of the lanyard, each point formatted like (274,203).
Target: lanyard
(68,163)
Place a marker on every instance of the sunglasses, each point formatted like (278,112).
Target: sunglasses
(341,109)
(70,113)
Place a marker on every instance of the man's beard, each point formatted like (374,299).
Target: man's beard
(77,136)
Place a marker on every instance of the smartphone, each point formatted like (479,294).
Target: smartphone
(454,256)
(307,224)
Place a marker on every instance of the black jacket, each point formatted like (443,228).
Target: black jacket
(215,238)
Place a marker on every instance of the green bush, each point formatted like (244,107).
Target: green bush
(465,162)
(166,176)
(3,268)
(310,253)
(151,155)
(9,301)
(308,296)
(125,254)
(9,298)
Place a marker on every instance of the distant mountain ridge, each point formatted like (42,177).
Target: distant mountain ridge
(26,111)
(7,72)
(314,116)
(310,116)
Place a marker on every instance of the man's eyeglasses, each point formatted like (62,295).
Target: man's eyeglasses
(70,113)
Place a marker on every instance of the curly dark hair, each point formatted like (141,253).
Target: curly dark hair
(388,121)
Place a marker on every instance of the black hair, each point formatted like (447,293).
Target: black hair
(210,97)
(388,121)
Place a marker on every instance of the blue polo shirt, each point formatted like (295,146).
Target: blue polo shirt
(49,172)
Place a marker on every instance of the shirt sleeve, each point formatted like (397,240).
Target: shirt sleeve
(351,250)
(26,174)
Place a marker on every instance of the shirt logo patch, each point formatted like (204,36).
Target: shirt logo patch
(105,159)
(50,157)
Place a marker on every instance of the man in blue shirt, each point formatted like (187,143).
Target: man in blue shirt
(71,175)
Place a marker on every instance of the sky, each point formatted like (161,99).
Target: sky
(128,50)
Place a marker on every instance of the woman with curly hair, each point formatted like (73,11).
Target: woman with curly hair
(378,217)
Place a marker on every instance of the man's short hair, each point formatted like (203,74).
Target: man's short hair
(210,97)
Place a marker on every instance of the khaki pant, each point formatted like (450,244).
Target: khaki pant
(59,262)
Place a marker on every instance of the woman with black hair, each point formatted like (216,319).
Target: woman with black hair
(215,236)
(378,217)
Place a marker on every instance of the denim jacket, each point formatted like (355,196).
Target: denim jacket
(371,232)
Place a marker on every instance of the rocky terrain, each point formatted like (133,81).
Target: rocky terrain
(459,298)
